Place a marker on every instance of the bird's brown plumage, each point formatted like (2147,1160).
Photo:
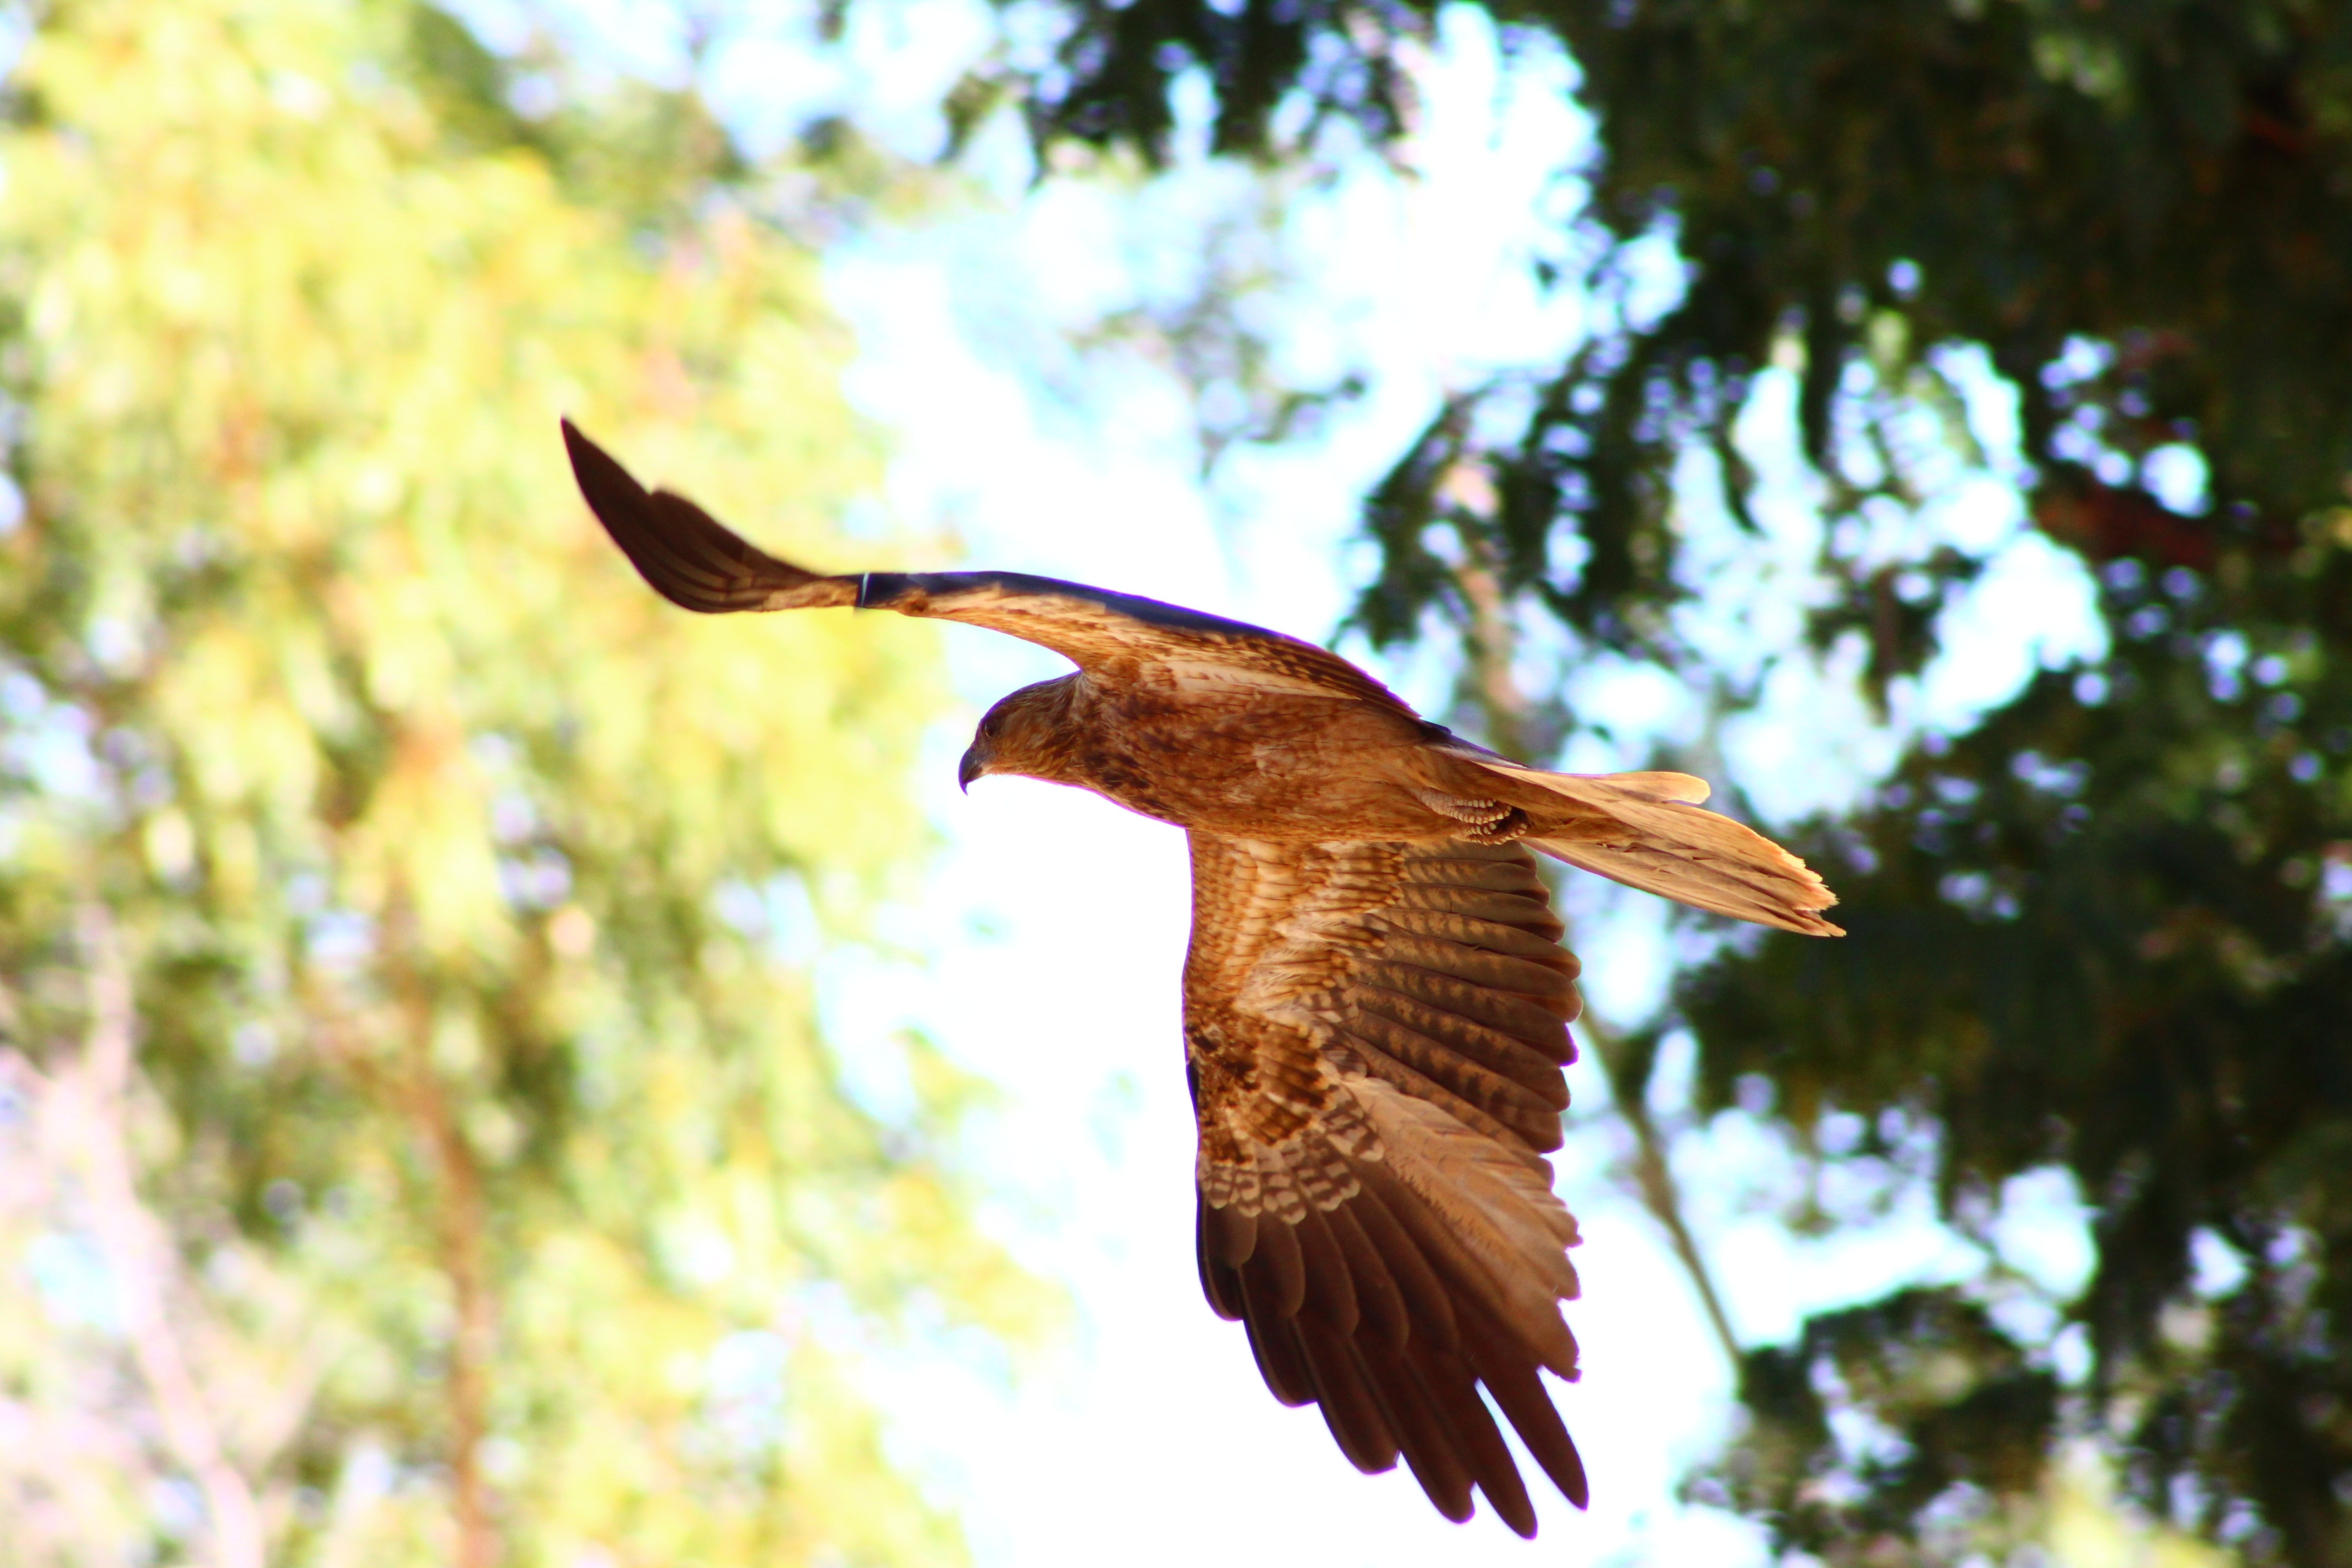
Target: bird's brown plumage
(1376,1000)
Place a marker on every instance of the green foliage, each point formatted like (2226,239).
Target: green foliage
(2110,927)
(638,150)
(2169,180)
(511,1205)
(1958,1415)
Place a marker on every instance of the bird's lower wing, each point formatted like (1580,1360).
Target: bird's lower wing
(1648,831)
(699,563)
(1375,1033)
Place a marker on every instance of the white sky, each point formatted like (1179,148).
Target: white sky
(1057,922)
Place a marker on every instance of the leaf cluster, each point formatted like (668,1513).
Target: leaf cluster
(2110,928)
(2167,181)
(1944,1423)
(511,1201)
(2107,928)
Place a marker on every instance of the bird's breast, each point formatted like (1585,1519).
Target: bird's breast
(1267,767)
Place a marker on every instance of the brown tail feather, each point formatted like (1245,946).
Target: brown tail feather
(1647,831)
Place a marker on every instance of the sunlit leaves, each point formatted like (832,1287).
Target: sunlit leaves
(413,806)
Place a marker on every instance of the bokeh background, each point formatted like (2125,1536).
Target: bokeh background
(494,1070)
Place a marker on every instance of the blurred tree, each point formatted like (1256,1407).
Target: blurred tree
(414,1132)
(2111,928)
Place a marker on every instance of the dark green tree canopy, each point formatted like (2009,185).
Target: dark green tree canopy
(2111,927)
(2172,182)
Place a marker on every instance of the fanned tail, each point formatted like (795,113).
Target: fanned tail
(1647,831)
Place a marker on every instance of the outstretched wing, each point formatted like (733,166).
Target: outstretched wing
(696,562)
(1375,1033)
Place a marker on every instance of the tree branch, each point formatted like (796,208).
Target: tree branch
(1493,688)
(139,1252)
(465,1227)
(1654,1178)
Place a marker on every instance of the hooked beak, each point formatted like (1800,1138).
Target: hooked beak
(970,768)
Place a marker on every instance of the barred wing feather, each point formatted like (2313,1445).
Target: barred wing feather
(1375,1033)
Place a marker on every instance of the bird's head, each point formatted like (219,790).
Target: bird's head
(1027,732)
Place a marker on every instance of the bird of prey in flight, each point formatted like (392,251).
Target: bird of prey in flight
(1376,1000)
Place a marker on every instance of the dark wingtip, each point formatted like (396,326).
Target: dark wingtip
(604,484)
(684,554)
(625,510)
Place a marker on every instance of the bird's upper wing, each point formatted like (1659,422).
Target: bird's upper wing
(696,562)
(1375,1033)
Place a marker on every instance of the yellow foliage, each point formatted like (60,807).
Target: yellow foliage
(414,805)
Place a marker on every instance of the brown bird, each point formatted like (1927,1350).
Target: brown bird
(1376,1000)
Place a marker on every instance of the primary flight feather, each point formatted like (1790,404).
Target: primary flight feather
(1376,1000)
